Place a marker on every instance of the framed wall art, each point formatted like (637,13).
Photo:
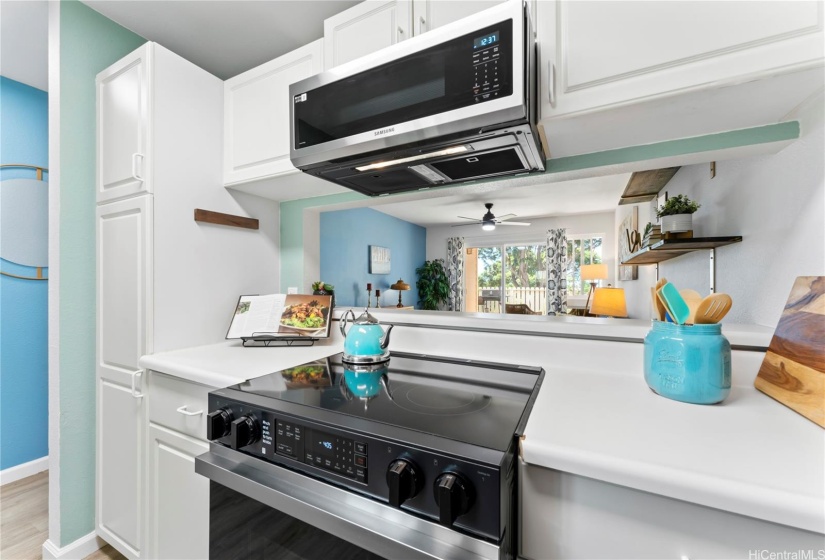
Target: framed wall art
(379,260)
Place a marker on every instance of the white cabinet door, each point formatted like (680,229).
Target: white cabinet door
(605,53)
(178,497)
(124,295)
(123,105)
(256,115)
(365,28)
(429,14)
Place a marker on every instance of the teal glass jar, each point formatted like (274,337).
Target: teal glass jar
(688,363)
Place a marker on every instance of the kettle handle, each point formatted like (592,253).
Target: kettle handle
(343,321)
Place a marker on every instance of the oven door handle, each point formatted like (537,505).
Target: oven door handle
(377,527)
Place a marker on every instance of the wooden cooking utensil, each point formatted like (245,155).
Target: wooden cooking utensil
(793,371)
(713,308)
(693,299)
(658,310)
(660,307)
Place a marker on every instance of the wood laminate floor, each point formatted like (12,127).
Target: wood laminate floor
(24,521)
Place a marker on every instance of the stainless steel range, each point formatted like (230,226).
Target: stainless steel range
(412,458)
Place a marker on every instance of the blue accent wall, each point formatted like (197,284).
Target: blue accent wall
(24,391)
(346,236)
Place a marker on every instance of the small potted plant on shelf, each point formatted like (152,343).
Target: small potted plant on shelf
(677,214)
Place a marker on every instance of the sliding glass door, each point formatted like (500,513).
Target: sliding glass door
(506,279)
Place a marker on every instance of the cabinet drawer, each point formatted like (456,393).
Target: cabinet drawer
(174,403)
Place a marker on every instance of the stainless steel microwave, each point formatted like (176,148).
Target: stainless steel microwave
(457,103)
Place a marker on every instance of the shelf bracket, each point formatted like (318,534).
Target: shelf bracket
(712,270)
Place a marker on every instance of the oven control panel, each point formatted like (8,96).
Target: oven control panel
(442,488)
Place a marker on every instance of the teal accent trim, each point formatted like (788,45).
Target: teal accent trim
(89,43)
(292,234)
(733,139)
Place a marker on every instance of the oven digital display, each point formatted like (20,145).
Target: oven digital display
(486,40)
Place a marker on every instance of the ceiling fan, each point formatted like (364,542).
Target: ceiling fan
(489,221)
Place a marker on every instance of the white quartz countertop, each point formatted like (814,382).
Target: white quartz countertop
(228,363)
(749,455)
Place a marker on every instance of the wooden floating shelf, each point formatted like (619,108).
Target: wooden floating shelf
(225,219)
(645,185)
(670,248)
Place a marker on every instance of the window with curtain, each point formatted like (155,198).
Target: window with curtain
(581,249)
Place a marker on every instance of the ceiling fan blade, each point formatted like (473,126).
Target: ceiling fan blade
(512,223)
(505,217)
(462,225)
(466,218)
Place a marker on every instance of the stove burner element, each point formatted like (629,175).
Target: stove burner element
(441,402)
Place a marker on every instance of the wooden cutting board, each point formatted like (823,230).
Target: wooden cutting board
(793,371)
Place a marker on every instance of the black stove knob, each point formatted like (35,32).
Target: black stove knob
(218,423)
(244,431)
(454,495)
(405,481)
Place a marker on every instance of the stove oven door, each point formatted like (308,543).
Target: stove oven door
(261,511)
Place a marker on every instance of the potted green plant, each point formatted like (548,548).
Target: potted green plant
(677,213)
(433,285)
(320,288)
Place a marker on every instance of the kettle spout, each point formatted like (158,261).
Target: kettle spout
(385,340)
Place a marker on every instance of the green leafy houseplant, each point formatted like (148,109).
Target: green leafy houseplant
(433,285)
(679,204)
(321,286)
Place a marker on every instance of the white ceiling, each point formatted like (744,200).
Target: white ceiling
(579,196)
(224,37)
(24,42)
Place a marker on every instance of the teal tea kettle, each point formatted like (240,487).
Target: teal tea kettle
(366,342)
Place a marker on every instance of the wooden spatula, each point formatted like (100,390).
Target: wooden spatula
(713,308)
(659,307)
(693,299)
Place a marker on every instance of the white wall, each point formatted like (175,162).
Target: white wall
(601,223)
(776,203)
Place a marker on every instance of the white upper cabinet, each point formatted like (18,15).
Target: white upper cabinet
(256,115)
(375,24)
(365,28)
(596,55)
(123,127)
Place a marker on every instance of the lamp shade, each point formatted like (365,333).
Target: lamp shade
(594,272)
(400,285)
(609,301)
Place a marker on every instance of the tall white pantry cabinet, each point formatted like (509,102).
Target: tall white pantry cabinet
(164,281)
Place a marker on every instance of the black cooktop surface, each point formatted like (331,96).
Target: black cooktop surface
(478,403)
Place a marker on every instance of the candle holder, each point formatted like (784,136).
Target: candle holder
(377,299)
(369,295)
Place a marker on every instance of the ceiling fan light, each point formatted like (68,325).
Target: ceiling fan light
(488,226)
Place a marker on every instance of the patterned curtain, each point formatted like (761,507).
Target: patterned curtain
(455,273)
(556,271)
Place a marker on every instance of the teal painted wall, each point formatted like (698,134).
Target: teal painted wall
(345,239)
(89,43)
(24,359)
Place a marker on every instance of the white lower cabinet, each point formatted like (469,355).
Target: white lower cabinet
(176,498)
(565,516)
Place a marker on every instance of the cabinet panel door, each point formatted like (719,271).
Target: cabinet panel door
(365,28)
(429,14)
(606,53)
(178,498)
(123,127)
(119,498)
(256,115)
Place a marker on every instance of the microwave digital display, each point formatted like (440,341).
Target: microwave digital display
(486,40)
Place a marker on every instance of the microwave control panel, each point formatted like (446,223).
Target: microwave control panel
(486,55)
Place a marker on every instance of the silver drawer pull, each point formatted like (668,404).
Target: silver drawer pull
(185,412)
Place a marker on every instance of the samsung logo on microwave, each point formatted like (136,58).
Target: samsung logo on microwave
(384,131)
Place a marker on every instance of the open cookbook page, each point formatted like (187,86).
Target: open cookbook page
(281,315)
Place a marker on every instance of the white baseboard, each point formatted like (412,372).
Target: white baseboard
(13,474)
(80,548)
